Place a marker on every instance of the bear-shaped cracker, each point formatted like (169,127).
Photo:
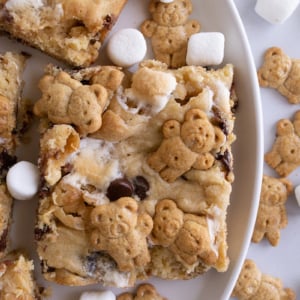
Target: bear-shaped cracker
(169,30)
(284,156)
(186,235)
(186,145)
(253,285)
(281,72)
(122,231)
(145,291)
(272,214)
(67,101)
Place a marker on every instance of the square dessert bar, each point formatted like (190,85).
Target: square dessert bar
(16,278)
(11,70)
(137,173)
(70,30)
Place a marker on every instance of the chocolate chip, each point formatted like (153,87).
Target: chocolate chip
(141,187)
(118,188)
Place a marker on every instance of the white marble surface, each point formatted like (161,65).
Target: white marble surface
(284,260)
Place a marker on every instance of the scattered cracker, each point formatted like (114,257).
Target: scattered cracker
(144,292)
(284,156)
(252,284)
(281,72)
(169,30)
(272,214)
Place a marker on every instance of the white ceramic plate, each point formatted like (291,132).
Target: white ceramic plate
(214,15)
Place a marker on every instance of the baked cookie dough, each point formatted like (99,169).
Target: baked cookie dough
(16,278)
(145,193)
(69,30)
(11,69)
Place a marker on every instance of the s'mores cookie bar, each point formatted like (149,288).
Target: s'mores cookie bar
(136,173)
(16,278)
(70,30)
(11,69)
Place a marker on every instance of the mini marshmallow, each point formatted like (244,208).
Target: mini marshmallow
(205,49)
(166,1)
(127,47)
(23,180)
(100,295)
(275,11)
(297,194)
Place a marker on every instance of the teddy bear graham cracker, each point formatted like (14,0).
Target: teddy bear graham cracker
(169,30)
(252,284)
(284,156)
(272,216)
(281,72)
(139,183)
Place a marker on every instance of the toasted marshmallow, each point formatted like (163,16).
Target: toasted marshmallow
(23,180)
(276,11)
(127,47)
(100,295)
(151,89)
(205,49)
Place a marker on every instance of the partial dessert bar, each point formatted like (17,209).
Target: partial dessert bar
(70,30)
(136,173)
(11,69)
(17,279)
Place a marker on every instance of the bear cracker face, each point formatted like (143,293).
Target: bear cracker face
(198,134)
(168,220)
(115,219)
(275,69)
(275,191)
(249,281)
(174,13)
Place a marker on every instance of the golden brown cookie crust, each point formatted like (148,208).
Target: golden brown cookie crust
(100,193)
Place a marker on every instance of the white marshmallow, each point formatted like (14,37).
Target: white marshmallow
(127,47)
(297,194)
(166,1)
(205,49)
(275,11)
(100,295)
(23,180)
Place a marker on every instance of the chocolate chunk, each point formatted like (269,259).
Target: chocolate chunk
(108,22)
(220,121)
(99,263)
(226,160)
(3,240)
(118,188)
(141,187)
(6,161)
(40,232)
